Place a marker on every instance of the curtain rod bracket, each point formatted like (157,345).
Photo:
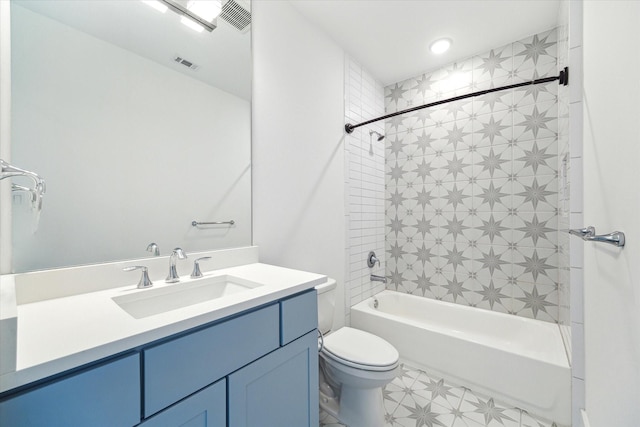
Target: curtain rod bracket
(563,78)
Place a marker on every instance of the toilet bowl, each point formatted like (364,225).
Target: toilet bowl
(354,366)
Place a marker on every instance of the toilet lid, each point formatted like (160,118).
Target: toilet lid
(360,348)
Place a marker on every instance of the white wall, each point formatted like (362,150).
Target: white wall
(297,152)
(131,151)
(612,202)
(5,133)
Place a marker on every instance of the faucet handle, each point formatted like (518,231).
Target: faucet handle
(196,267)
(372,259)
(144,282)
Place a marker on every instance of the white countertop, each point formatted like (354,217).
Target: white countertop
(59,334)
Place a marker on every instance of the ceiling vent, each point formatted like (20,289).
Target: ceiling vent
(186,63)
(237,13)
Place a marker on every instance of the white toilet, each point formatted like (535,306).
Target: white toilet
(354,366)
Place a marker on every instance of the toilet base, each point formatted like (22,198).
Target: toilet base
(357,407)
(330,405)
(361,407)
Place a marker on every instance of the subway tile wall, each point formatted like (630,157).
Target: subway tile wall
(365,184)
(472,208)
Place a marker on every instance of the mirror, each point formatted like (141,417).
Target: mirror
(134,144)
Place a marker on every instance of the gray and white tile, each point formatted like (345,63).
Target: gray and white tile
(478,180)
(416,398)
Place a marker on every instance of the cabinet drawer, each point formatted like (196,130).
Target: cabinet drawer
(178,368)
(108,395)
(207,408)
(298,315)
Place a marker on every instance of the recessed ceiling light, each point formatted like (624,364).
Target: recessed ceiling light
(440,46)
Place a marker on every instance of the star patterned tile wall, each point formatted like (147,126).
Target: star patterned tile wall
(472,186)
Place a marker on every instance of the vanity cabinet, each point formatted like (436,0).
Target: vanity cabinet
(108,396)
(206,408)
(177,368)
(280,389)
(255,369)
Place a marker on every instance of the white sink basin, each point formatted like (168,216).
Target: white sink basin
(182,294)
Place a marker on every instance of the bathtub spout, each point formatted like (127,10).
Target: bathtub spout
(375,278)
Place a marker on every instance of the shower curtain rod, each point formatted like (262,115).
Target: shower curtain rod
(563,79)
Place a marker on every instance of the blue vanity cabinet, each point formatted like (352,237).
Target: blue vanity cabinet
(206,408)
(107,395)
(257,368)
(269,357)
(179,367)
(298,315)
(278,390)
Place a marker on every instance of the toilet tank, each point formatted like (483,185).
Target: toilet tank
(326,304)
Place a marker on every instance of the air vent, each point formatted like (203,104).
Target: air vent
(236,15)
(186,63)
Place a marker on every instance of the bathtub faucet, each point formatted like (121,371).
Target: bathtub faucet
(375,278)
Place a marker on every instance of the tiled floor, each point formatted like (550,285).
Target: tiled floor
(416,399)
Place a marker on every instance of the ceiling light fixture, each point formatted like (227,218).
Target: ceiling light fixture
(156,5)
(196,14)
(206,9)
(440,46)
(191,24)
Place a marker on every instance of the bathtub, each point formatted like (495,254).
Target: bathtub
(518,361)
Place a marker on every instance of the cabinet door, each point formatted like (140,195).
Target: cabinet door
(207,408)
(108,395)
(278,390)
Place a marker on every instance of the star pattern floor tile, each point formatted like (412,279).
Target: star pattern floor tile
(416,398)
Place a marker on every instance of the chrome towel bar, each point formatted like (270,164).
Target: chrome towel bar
(196,223)
(615,238)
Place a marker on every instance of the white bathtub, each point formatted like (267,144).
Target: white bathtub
(519,361)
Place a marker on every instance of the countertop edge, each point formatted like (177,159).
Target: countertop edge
(23,377)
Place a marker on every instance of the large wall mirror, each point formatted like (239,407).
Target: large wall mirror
(134,144)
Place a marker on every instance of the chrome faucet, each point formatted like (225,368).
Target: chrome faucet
(173,273)
(154,249)
(375,278)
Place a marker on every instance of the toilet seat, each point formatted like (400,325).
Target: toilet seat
(361,350)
